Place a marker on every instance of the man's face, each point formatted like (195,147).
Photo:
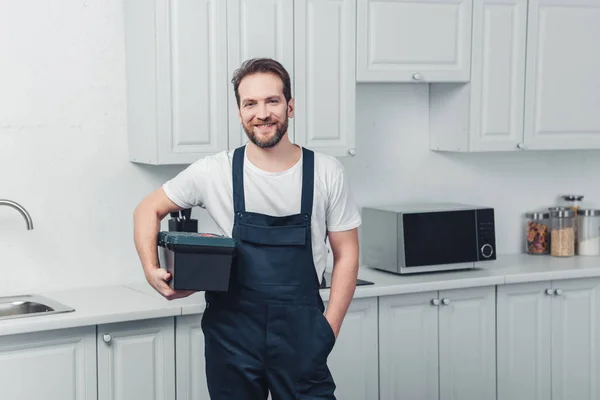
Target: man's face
(263,110)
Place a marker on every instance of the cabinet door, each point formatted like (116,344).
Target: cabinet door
(576,339)
(324,56)
(52,365)
(189,353)
(498,74)
(467,337)
(524,332)
(414,40)
(408,346)
(257,28)
(354,361)
(136,360)
(192,85)
(562,90)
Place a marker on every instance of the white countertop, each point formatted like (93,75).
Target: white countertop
(111,304)
(93,306)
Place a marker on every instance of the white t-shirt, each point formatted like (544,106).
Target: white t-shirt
(207,183)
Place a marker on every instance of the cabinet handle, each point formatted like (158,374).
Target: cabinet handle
(558,292)
(416,76)
(435,302)
(549,291)
(107,338)
(445,302)
(521,146)
(352,152)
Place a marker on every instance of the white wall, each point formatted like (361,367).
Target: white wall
(63,153)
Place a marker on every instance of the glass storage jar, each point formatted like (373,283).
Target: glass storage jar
(573,201)
(588,228)
(537,232)
(562,236)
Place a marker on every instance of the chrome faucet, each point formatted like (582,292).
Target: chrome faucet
(19,208)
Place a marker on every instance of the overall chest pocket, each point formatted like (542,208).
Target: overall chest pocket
(272,255)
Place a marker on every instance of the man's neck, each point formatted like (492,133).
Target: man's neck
(280,157)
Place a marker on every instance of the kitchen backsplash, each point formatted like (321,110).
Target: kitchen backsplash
(63,155)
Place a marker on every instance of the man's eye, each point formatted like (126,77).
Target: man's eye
(274,101)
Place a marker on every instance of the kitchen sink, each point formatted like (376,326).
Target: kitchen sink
(30,305)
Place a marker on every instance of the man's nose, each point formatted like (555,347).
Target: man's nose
(262,112)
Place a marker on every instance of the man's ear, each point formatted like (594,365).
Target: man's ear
(291,108)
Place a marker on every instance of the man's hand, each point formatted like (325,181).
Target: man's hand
(158,278)
(335,327)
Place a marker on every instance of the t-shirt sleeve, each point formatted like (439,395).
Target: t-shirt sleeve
(187,188)
(342,212)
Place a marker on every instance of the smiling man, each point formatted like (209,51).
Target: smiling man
(281,203)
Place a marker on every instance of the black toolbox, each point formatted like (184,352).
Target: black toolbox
(197,261)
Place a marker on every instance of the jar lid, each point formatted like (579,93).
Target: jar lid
(589,212)
(573,197)
(562,213)
(537,215)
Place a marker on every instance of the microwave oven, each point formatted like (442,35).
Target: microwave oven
(423,237)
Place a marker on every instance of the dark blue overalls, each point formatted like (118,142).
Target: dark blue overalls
(268,332)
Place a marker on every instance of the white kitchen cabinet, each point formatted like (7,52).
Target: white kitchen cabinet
(408,347)
(438,345)
(325,78)
(524,334)
(562,91)
(177,83)
(534,80)
(548,336)
(257,28)
(136,360)
(189,353)
(354,361)
(488,113)
(467,344)
(414,40)
(181,56)
(50,365)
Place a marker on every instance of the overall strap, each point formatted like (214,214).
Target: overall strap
(239,203)
(308,178)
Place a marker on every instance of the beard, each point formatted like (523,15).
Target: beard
(280,131)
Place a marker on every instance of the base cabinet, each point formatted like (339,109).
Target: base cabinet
(189,353)
(438,345)
(354,360)
(548,340)
(52,365)
(537,340)
(136,360)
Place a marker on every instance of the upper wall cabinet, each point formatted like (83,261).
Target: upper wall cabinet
(534,80)
(176,79)
(257,28)
(181,56)
(562,90)
(414,40)
(325,54)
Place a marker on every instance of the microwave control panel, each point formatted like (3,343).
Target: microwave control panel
(486,234)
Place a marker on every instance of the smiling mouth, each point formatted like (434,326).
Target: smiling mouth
(263,126)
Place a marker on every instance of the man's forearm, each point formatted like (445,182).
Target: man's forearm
(146,226)
(343,286)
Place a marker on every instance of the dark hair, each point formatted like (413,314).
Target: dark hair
(262,65)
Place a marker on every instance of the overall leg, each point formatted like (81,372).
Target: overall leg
(234,345)
(299,340)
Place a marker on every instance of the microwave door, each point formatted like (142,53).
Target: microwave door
(438,238)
